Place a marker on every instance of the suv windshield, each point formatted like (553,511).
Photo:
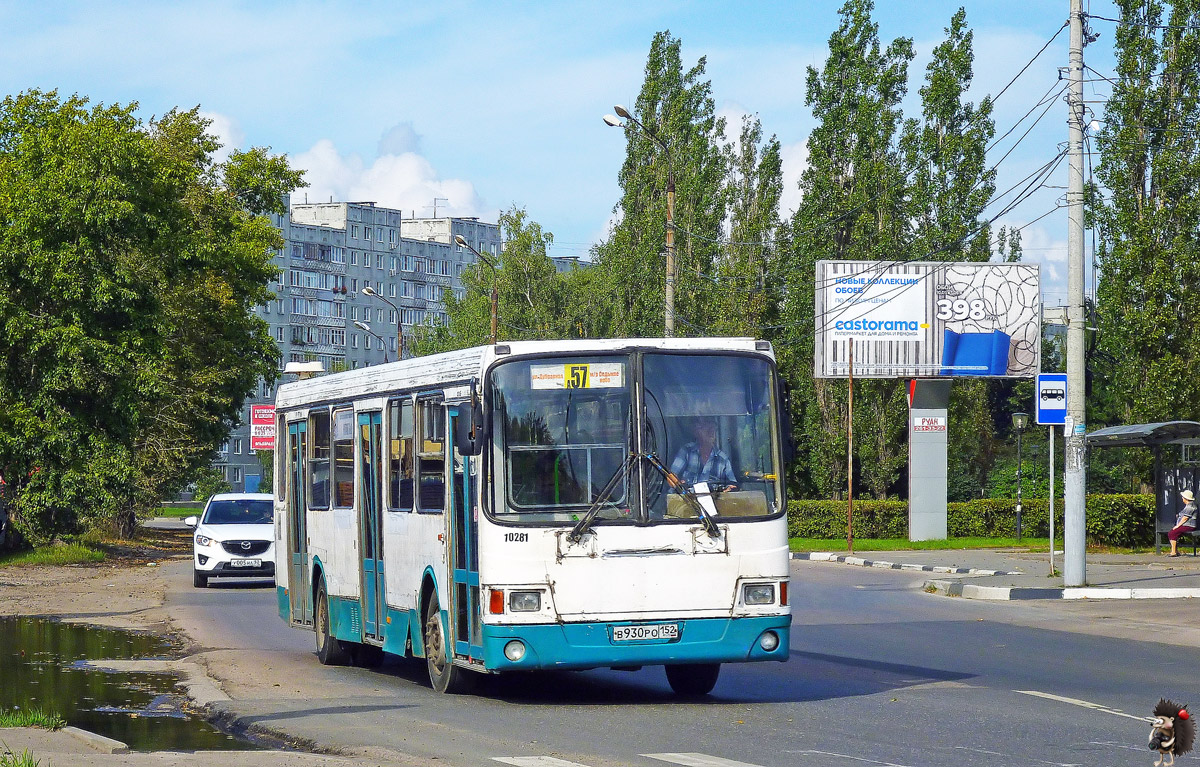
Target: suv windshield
(564,432)
(244,512)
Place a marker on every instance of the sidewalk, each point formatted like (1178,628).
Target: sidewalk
(1018,574)
(72,747)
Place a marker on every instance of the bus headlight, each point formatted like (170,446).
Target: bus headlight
(758,594)
(524,601)
(514,650)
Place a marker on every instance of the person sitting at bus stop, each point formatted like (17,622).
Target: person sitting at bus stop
(702,460)
(1185,521)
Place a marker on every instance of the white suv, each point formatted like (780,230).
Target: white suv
(235,537)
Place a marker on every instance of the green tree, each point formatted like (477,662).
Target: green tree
(678,107)
(853,207)
(1149,318)
(131,264)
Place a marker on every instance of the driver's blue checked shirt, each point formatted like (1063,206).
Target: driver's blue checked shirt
(717,469)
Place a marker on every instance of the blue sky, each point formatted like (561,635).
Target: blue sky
(491,104)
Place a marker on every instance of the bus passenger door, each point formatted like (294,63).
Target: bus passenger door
(297,560)
(371,524)
(464,548)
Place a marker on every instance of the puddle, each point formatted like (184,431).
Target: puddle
(41,665)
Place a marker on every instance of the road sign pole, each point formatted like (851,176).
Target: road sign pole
(1052,501)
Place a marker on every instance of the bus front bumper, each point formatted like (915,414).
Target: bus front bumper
(592,645)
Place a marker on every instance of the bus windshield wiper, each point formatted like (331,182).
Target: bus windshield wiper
(710,525)
(586,520)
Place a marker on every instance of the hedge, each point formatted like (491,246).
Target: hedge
(1113,520)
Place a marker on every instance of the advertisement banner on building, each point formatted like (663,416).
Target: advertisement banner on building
(910,319)
(262,427)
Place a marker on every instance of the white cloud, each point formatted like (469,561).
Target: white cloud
(794,160)
(404,180)
(1040,247)
(226,130)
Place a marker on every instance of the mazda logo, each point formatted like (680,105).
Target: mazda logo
(246,545)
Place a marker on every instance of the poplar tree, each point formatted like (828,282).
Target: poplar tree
(677,106)
(1149,257)
(852,208)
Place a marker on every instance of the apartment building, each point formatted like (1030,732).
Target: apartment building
(332,252)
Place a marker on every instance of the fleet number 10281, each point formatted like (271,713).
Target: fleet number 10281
(516,537)
(961,309)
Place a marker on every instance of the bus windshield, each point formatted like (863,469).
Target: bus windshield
(568,443)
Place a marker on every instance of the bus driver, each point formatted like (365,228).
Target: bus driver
(702,460)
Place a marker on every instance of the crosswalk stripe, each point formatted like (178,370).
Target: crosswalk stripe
(698,760)
(535,761)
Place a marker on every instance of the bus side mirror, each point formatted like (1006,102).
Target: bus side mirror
(468,429)
(788,441)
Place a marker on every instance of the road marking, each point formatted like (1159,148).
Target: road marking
(1116,745)
(1084,704)
(1001,753)
(698,760)
(535,761)
(848,756)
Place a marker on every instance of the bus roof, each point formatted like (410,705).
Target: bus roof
(460,366)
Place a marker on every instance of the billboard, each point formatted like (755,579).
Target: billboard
(909,319)
(262,427)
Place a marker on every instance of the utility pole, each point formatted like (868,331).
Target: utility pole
(1075,471)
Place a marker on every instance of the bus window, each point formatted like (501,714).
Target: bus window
(343,458)
(400,456)
(431,458)
(318,464)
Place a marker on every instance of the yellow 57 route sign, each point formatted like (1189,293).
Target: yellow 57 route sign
(578,375)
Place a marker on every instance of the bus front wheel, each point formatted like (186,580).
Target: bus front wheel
(330,650)
(443,674)
(693,680)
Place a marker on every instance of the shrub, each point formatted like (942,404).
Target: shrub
(1113,520)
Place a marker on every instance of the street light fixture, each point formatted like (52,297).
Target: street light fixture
(1020,421)
(669,289)
(367,290)
(383,343)
(462,243)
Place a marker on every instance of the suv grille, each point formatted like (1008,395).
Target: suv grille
(246,548)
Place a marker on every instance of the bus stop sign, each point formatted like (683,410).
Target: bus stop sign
(1051,399)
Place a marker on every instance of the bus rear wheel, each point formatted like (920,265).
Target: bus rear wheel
(693,680)
(330,650)
(444,676)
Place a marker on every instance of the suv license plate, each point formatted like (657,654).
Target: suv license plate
(644,633)
(245,563)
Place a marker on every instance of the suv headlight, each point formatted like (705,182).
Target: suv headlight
(524,601)
(758,594)
(204,540)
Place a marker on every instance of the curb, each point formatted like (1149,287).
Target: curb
(97,742)
(823,556)
(1013,593)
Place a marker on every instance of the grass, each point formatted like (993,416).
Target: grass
(23,759)
(54,554)
(179,512)
(31,717)
(902,544)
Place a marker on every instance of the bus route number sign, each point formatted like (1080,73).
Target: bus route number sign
(578,375)
(646,632)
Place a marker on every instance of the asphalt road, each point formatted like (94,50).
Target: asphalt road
(880,673)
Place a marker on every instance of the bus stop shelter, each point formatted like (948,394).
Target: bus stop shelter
(1169,481)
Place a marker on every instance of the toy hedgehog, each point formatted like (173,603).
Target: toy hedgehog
(1173,731)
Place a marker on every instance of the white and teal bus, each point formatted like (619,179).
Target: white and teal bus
(540,505)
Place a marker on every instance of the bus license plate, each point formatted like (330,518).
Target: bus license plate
(645,633)
(245,563)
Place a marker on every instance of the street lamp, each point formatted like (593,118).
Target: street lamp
(364,326)
(1020,421)
(462,243)
(367,290)
(669,290)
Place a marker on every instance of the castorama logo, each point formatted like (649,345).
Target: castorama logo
(903,325)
